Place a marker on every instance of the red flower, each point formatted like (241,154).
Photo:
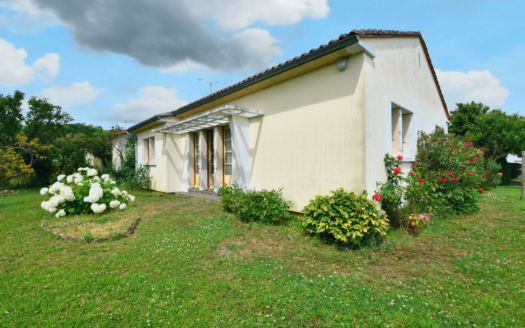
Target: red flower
(445,179)
(440,180)
(481,190)
(400,157)
(421,180)
(424,155)
(449,173)
(377,197)
(397,170)
(470,173)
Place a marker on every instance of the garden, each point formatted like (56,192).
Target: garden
(439,245)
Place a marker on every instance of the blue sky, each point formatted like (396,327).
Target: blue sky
(130,59)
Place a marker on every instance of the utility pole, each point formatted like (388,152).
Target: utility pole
(211,83)
(523,175)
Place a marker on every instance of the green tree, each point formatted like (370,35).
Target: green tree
(464,117)
(11,117)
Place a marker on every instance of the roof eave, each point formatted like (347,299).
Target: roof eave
(148,121)
(352,45)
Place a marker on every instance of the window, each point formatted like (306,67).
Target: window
(401,131)
(228,151)
(149,150)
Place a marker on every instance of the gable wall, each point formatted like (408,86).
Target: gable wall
(310,139)
(394,75)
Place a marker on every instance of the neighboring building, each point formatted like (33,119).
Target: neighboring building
(321,121)
(119,145)
(513,159)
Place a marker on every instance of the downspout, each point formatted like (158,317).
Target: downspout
(136,149)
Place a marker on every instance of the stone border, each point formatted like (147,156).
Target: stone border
(130,231)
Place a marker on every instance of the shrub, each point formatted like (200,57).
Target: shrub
(251,205)
(137,179)
(493,179)
(447,175)
(345,218)
(84,192)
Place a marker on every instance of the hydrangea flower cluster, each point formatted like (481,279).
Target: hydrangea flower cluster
(84,192)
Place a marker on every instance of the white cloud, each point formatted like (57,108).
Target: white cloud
(478,86)
(238,14)
(153,100)
(48,66)
(26,16)
(78,92)
(14,71)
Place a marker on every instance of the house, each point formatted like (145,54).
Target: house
(320,121)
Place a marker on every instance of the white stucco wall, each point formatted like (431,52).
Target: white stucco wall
(310,139)
(395,76)
(166,173)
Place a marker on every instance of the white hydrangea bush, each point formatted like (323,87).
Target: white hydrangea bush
(84,192)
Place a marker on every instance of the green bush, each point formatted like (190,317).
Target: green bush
(251,205)
(493,179)
(345,218)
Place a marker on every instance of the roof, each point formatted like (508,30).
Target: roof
(307,56)
(121,132)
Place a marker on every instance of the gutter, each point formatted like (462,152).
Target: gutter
(352,45)
(148,121)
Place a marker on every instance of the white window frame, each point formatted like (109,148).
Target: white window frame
(151,142)
(412,132)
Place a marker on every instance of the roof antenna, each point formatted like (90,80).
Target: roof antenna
(211,83)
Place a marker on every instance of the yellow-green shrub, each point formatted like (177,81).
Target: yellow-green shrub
(345,218)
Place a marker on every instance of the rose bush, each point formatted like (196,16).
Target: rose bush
(447,175)
(84,192)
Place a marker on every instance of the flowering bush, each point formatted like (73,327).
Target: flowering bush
(417,223)
(84,192)
(345,218)
(447,175)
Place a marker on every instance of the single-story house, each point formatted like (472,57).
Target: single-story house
(320,121)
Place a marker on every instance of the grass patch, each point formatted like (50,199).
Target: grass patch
(190,265)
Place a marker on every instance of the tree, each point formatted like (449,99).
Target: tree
(464,117)
(11,117)
(12,164)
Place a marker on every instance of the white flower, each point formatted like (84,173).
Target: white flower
(96,179)
(91,172)
(124,193)
(43,191)
(51,210)
(69,179)
(122,206)
(98,208)
(107,179)
(54,188)
(113,182)
(67,193)
(115,192)
(131,198)
(95,193)
(44,205)
(60,213)
(105,176)
(114,204)
(60,177)
(80,184)
(78,179)
(80,169)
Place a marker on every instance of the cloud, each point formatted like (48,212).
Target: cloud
(78,92)
(24,16)
(478,86)
(153,100)
(170,34)
(15,72)
(239,14)
(48,66)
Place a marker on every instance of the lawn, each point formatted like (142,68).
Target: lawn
(189,265)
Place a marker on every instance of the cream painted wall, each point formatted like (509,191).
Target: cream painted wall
(166,174)
(310,139)
(394,75)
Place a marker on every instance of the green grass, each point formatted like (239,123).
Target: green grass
(188,265)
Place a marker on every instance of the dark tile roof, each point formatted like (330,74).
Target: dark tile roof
(360,33)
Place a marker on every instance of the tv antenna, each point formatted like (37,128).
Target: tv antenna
(211,83)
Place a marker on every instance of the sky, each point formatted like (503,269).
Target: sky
(109,62)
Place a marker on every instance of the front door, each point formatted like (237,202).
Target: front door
(197,160)
(228,156)
(211,158)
